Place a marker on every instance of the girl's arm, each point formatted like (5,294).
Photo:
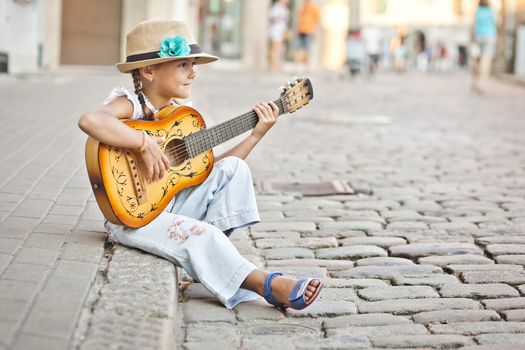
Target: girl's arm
(267,113)
(103,124)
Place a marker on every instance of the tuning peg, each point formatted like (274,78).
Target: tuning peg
(281,88)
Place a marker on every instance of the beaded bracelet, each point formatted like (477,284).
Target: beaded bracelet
(143,146)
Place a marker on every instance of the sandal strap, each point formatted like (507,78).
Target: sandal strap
(299,302)
(298,294)
(268,290)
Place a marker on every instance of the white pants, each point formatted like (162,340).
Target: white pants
(189,232)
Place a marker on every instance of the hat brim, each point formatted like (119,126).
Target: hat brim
(201,58)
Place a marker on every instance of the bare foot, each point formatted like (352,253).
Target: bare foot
(184,284)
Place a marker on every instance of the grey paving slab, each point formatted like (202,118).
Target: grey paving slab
(397,292)
(21,290)
(37,342)
(383,242)
(380,331)
(379,319)
(439,260)
(507,339)
(494,268)
(408,306)
(325,308)
(474,328)
(514,315)
(386,272)
(505,249)
(311,243)
(425,279)
(27,272)
(493,290)
(354,282)
(419,250)
(330,265)
(286,225)
(449,316)
(512,277)
(287,253)
(39,256)
(383,261)
(518,259)
(44,240)
(58,305)
(350,252)
(5,260)
(504,304)
(421,341)
(12,309)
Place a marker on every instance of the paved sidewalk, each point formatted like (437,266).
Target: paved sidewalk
(428,252)
(60,285)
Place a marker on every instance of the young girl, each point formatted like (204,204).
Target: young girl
(193,230)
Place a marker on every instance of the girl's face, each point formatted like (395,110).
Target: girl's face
(173,79)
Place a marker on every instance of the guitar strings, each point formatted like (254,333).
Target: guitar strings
(200,140)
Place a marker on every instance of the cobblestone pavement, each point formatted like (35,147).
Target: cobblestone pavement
(427,253)
(429,250)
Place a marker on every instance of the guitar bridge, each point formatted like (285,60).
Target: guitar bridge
(136,176)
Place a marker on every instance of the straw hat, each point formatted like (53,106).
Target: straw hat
(153,42)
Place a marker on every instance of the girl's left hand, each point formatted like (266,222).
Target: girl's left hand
(267,113)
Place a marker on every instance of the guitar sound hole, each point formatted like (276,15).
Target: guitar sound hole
(176,152)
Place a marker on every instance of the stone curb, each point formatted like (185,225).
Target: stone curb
(132,304)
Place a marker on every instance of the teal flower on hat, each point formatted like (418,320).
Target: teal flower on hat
(173,46)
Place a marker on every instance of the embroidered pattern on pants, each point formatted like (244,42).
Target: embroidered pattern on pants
(176,230)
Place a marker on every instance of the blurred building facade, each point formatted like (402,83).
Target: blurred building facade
(46,34)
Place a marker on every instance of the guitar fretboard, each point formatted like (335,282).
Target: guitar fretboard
(206,139)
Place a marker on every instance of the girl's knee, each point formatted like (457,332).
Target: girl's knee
(232,164)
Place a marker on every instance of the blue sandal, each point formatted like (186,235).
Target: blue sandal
(296,298)
(268,290)
(299,302)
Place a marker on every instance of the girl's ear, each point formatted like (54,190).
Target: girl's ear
(147,73)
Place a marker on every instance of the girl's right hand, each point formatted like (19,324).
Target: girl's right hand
(155,161)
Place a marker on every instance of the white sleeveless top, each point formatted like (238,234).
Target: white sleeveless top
(138,113)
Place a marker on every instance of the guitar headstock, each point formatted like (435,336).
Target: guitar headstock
(296,94)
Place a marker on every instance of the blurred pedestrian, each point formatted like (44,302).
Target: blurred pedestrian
(355,52)
(212,40)
(483,47)
(278,26)
(442,58)
(422,57)
(307,23)
(192,230)
(373,41)
(398,51)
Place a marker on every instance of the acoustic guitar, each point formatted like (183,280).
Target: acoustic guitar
(122,193)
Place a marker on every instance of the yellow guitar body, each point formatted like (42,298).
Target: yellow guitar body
(116,178)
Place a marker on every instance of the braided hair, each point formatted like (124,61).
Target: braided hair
(140,94)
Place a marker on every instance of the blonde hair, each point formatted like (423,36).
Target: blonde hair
(137,82)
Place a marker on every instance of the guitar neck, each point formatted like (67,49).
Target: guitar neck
(206,139)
